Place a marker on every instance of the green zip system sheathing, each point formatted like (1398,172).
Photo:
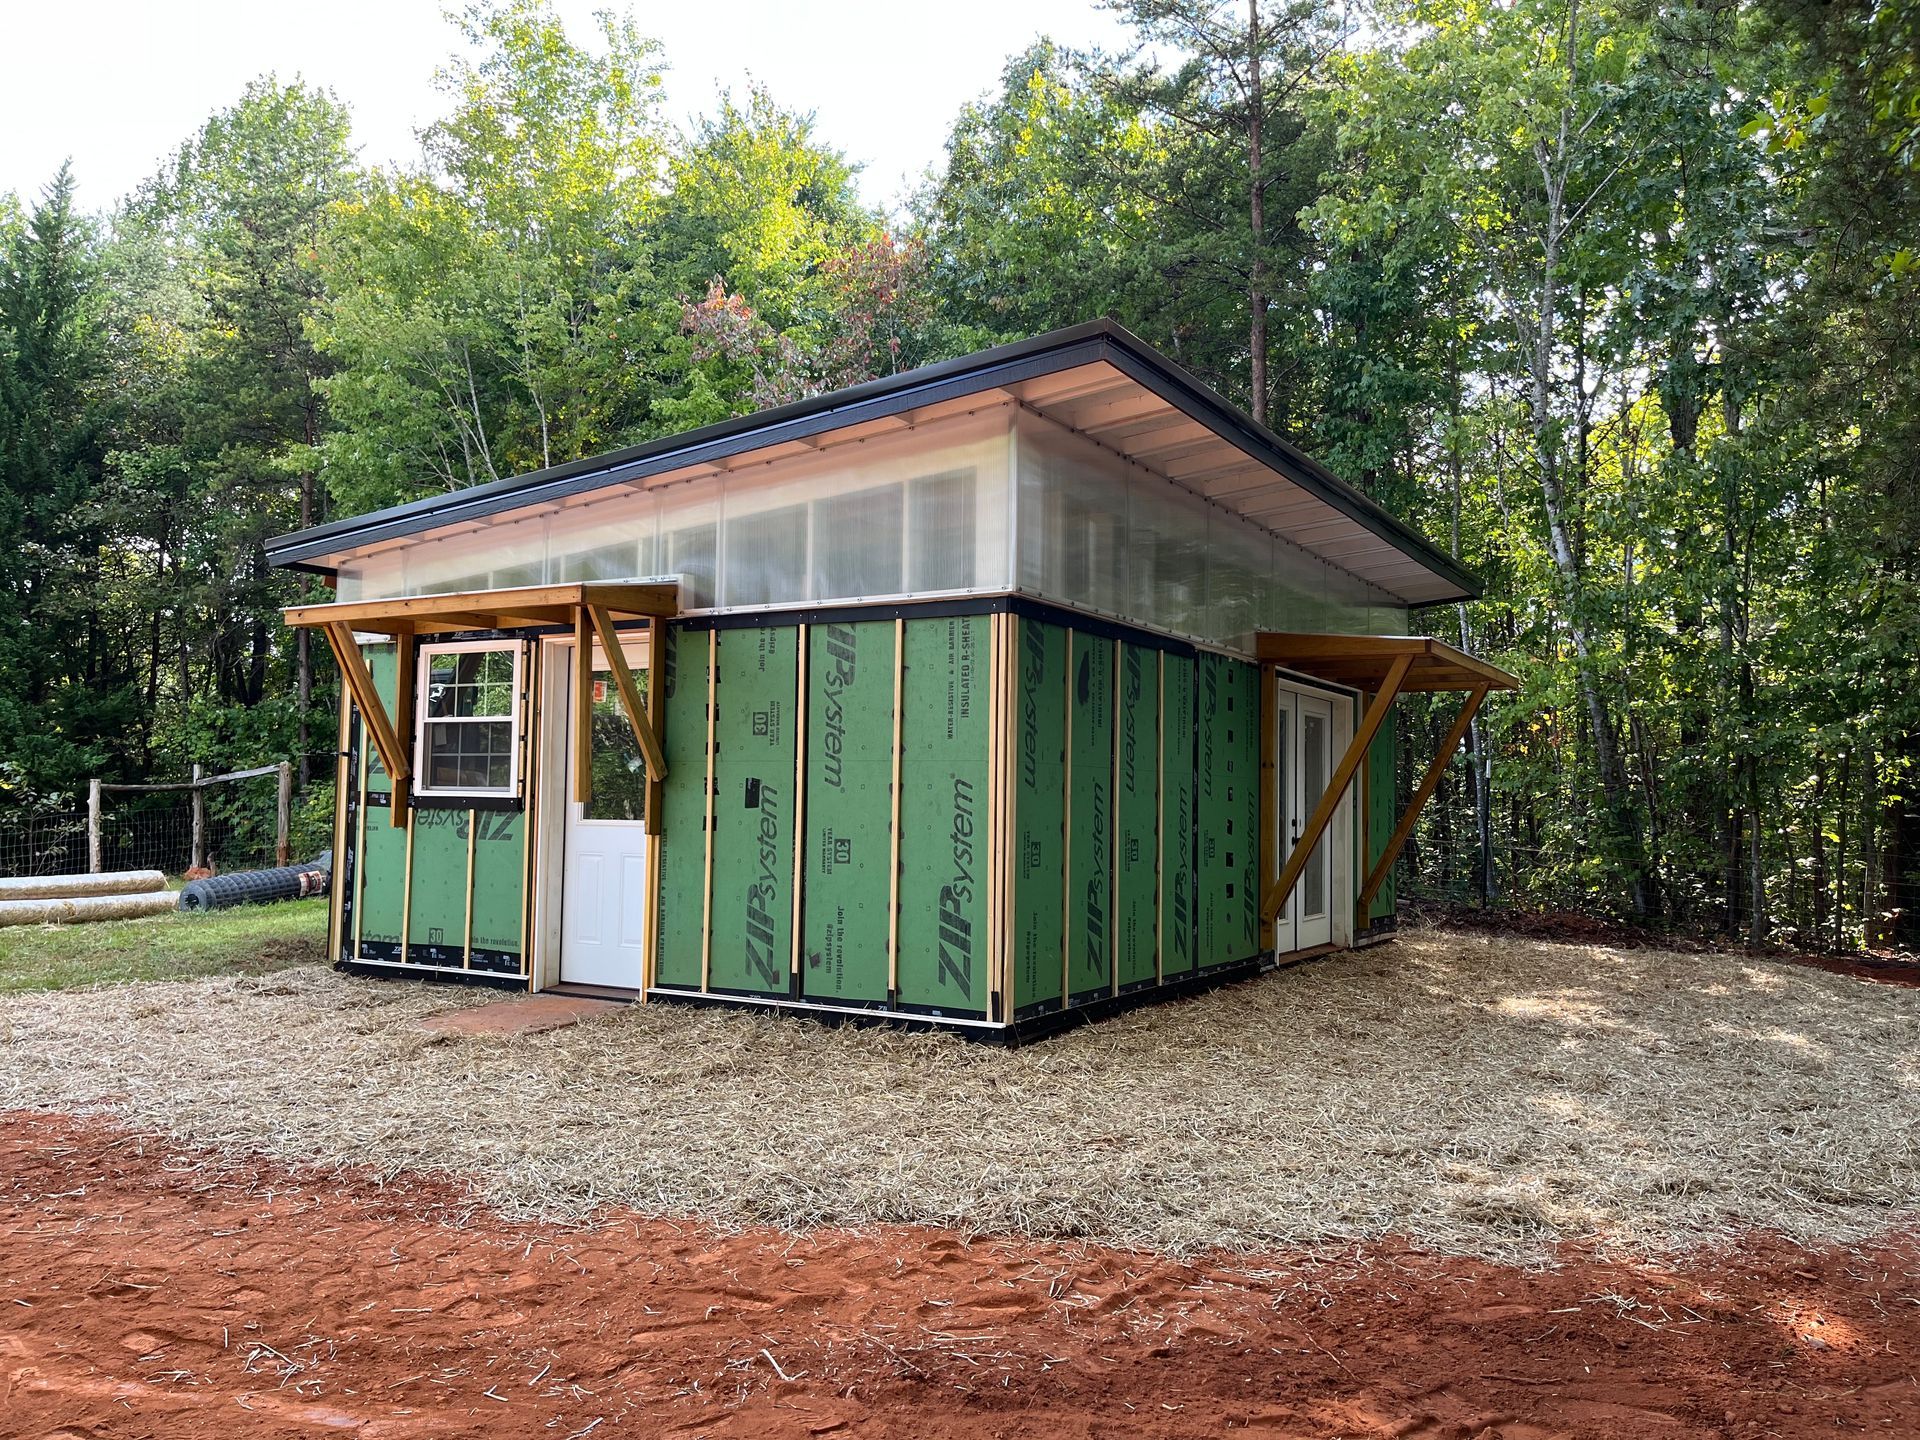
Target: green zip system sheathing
(1228,804)
(499,890)
(437,896)
(1178,871)
(680,907)
(447,891)
(849,812)
(380,857)
(1039,816)
(1090,820)
(945,793)
(1137,819)
(754,805)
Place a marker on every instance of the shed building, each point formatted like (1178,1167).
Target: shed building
(995,694)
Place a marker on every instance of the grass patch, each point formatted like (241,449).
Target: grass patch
(249,940)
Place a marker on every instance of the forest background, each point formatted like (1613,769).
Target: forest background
(1618,300)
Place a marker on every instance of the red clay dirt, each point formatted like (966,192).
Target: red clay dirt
(147,1291)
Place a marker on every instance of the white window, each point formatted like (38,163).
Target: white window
(467,742)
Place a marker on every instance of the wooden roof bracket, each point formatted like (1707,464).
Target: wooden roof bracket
(1343,773)
(381,727)
(1377,876)
(638,714)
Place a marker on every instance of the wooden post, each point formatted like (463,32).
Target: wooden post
(94,865)
(405,677)
(283,817)
(1266,845)
(657,710)
(199,859)
(582,707)
(893,813)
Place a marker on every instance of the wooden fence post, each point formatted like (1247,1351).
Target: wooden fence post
(94,867)
(283,814)
(199,857)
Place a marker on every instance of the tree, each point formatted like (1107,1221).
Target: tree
(489,314)
(239,212)
(63,695)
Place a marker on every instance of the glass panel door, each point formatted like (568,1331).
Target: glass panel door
(1314,925)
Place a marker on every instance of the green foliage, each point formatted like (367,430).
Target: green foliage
(1621,304)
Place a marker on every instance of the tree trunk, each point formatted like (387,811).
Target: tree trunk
(1872,928)
(1902,853)
(1257,219)
(1555,165)
(1819,880)
(302,655)
(1845,812)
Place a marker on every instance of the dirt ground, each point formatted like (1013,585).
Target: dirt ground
(1480,1095)
(149,1291)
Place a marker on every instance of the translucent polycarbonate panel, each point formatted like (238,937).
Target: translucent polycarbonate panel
(1387,617)
(690,540)
(1072,505)
(1168,527)
(857,542)
(943,524)
(1297,598)
(613,537)
(764,559)
(1349,607)
(1239,580)
(918,510)
(497,554)
(1102,533)
(371,577)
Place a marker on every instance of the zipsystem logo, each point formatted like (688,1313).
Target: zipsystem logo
(837,646)
(956,928)
(763,895)
(1033,647)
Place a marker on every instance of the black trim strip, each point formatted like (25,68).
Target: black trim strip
(466,802)
(933,608)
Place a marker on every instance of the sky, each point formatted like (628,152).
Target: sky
(118,84)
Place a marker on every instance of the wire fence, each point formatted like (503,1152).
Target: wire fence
(242,827)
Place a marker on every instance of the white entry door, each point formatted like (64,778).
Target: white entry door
(603,909)
(1303,762)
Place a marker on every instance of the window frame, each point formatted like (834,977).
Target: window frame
(421,720)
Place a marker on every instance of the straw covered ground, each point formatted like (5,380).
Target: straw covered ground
(1475,1094)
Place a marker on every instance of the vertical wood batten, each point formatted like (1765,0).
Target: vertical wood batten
(800,708)
(706,879)
(893,801)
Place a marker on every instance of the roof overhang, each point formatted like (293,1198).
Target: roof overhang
(1363,662)
(511,609)
(1096,380)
